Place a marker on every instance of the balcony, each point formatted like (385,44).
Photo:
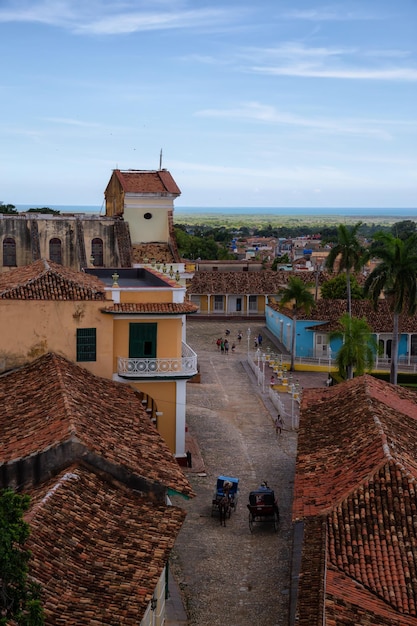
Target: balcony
(176,367)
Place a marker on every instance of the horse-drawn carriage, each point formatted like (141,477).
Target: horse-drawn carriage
(263,507)
(225,497)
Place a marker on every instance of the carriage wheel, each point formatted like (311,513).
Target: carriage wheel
(251,522)
(276,520)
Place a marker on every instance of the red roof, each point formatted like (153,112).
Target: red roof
(53,401)
(46,280)
(147,182)
(356,493)
(98,548)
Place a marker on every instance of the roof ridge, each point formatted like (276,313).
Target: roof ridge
(57,361)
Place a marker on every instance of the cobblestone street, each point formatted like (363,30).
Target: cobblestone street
(228,575)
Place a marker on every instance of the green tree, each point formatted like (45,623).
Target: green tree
(395,277)
(350,254)
(299,294)
(8,209)
(336,288)
(403,229)
(19,596)
(359,347)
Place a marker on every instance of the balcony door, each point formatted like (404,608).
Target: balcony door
(142,341)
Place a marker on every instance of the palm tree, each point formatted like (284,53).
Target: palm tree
(359,347)
(299,294)
(351,253)
(395,276)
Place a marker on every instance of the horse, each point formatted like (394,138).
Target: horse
(224,504)
(224,508)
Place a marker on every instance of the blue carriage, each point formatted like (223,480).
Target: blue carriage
(226,486)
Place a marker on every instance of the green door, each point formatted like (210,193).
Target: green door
(142,341)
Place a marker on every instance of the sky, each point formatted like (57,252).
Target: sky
(274,103)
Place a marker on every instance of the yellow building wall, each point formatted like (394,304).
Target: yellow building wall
(34,327)
(168,338)
(162,295)
(165,397)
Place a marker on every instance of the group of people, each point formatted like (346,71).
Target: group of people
(258,341)
(223,345)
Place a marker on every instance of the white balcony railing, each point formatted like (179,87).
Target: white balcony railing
(184,366)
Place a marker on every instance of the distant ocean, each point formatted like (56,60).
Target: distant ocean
(397,213)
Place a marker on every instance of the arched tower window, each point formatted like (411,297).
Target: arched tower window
(55,250)
(97,251)
(9,251)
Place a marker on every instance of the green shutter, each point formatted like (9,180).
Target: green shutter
(86,344)
(142,341)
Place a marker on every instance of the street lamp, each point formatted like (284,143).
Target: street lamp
(248,334)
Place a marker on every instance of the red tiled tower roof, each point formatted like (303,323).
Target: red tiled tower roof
(147,182)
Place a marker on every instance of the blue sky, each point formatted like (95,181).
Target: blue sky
(284,103)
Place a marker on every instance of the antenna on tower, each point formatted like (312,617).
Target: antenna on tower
(160,160)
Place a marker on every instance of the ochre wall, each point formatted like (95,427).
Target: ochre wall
(164,396)
(168,338)
(149,295)
(34,327)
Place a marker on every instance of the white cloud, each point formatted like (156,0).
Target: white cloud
(326,14)
(257,112)
(103,18)
(298,60)
(391,74)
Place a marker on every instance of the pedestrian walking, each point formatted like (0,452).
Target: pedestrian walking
(260,340)
(218,343)
(239,336)
(233,346)
(226,346)
(278,425)
(222,346)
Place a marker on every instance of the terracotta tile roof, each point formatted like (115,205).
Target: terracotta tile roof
(98,549)
(151,182)
(330,311)
(356,472)
(45,280)
(153,308)
(52,401)
(263,282)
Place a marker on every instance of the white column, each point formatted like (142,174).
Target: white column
(226,303)
(180,418)
(208,304)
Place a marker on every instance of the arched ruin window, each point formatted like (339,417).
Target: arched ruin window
(97,251)
(9,251)
(55,250)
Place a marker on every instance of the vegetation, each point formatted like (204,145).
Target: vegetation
(403,229)
(19,596)
(336,288)
(357,352)
(44,211)
(395,277)
(349,255)
(299,294)
(7,209)
(200,246)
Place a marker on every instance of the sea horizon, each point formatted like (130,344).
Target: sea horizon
(393,212)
